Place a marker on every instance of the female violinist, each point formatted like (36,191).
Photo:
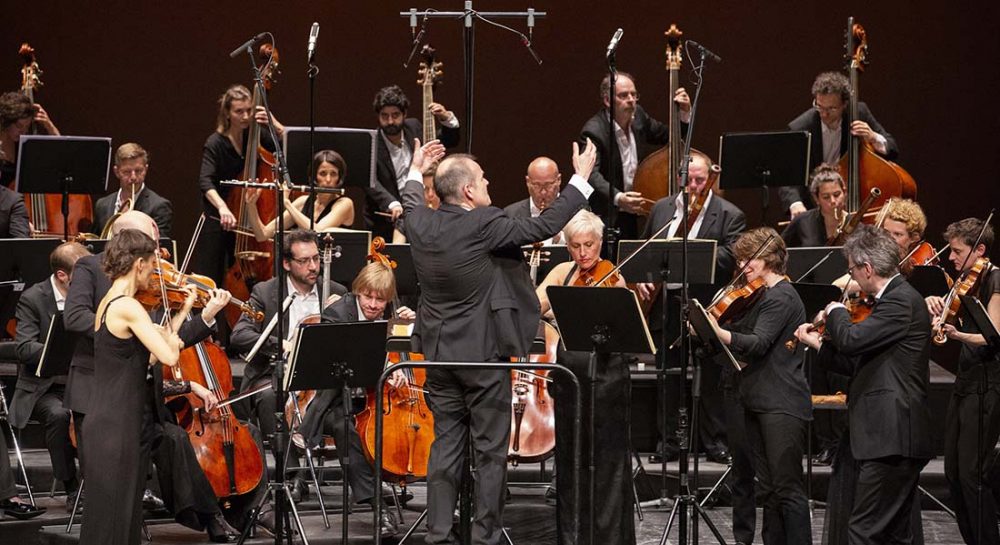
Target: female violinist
(328,210)
(614,524)
(223,159)
(129,343)
(976,373)
(771,392)
(817,225)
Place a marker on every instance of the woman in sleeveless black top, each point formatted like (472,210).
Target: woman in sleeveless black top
(326,211)
(124,337)
(613,523)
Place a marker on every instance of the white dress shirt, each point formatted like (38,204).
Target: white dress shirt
(303,305)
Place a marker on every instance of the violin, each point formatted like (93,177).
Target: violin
(968,283)
(532,427)
(174,283)
(859,306)
(604,274)
(734,302)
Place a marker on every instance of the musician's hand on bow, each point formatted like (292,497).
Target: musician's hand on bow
(226,218)
(396,211)
(935,305)
(217,301)
(807,336)
(207,396)
(406,313)
(583,161)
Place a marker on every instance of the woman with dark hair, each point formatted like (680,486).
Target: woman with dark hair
(128,343)
(328,210)
(17,113)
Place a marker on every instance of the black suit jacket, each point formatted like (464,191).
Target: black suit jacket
(148,202)
(477,302)
(386,190)
(649,133)
(520,209)
(88,287)
(810,121)
(35,310)
(13,215)
(246,332)
(886,357)
(807,229)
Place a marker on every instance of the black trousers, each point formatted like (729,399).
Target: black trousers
(777,441)
(468,403)
(741,479)
(54,417)
(8,487)
(884,500)
(360,475)
(964,450)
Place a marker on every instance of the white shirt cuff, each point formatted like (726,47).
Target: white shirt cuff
(207,323)
(800,203)
(881,145)
(395,204)
(582,185)
(451,122)
(618,197)
(414,175)
(834,305)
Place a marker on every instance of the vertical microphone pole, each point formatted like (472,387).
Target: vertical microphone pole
(312,71)
(611,214)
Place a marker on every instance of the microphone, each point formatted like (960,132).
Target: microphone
(243,47)
(708,53)
(418,39)
(313,36)
(613,45)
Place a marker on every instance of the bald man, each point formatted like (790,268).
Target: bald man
(543,181)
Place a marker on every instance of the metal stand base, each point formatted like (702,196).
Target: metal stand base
(280,526)
(685,502)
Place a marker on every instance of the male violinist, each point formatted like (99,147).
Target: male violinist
(831,130)
(131,167)
(906,222)
(886,357)
(718,220)
(976,393)
(543,181)
(635,133)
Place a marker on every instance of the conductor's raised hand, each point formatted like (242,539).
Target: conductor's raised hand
(426,155)
(583,162)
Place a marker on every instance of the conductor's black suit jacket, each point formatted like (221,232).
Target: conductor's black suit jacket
(886,356)
(477,302)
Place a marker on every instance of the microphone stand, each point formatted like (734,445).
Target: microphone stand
(312,72)
(279,442)
(687,440)
(610,249)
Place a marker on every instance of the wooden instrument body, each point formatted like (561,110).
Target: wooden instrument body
(533,419)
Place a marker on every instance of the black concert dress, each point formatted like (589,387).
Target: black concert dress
(115,473)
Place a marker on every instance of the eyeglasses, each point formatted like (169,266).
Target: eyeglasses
(850,270)
(826,109)
(626,94)
(306,260)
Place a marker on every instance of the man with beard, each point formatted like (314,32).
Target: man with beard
(395,153)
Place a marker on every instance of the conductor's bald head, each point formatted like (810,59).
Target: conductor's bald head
(134,219)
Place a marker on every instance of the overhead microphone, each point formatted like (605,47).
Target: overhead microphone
(313,36)
(708,53)
(613,45)
(243,47)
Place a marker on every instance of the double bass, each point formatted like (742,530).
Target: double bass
(430,74)
(861,167)
(254,262)
(45,209)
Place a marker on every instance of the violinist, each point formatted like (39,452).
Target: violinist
(614,524)
(543,181)
(301,261)
(328,210)
(906,222)
(634,129)
(826,122)
(888,411)
(723,222)
(17,114)
(371,292)
(977,374)
(771,395)
(818,225)
(131,167)
(222,159)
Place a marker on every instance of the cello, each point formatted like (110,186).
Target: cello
(533,418)
(861,166)
(254,262)
(45,209)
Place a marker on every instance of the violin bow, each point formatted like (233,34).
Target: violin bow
(743,270)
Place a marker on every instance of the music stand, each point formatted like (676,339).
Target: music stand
(328,356)
(815,297)
(350,249)
(26,259)
(982,320)
(664,255)
(64,165)
(714,346)
(764,159)
(599,321)
(356,146)
(406,274)
(929,280)
(58,350)
(816,264)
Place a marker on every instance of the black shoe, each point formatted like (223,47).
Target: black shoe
(507,496)
(387,523)
(71,499)
(20,511)
(825,457)
(265,519)
(299,490)
(150,501)
(657,458)
(719,456)
(388,496)
(219,531)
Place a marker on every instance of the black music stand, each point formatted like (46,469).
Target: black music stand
(26,259)
(328,356)
(929,280)
(65,165)
(714,347)
(764,159)
(599,321)
(816,264)
(664,256)
(406,274)
(356,146)
(58,350)
(977,313)
(351,252)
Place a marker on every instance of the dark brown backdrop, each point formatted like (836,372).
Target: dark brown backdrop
(151,72)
